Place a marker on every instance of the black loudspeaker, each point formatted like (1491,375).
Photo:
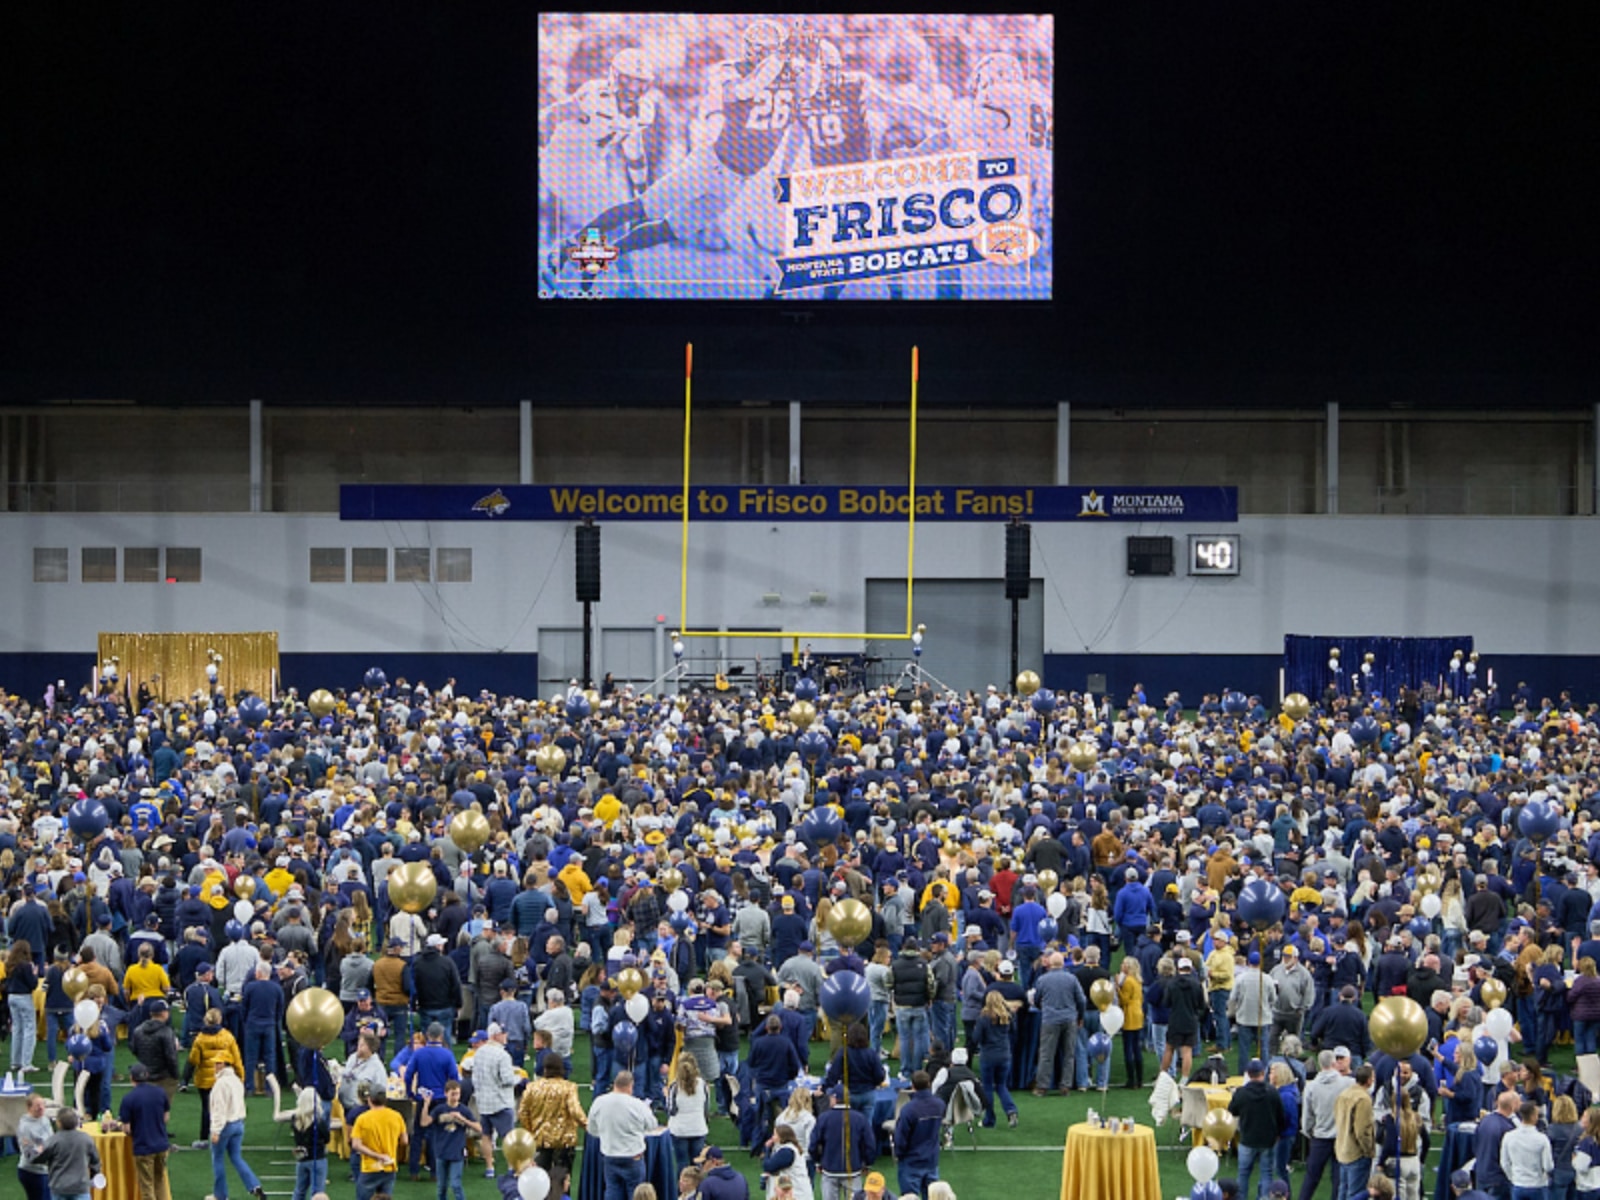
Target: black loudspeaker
(1019,561)
(588,563)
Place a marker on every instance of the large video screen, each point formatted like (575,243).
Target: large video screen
(718,157)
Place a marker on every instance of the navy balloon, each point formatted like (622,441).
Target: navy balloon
(1044,702)
(1421,926)
(79,1046)
(1539,819)
(235,931)
(578,707)
(1365,730)
(1099,1044)
(822,825)
(1261,903)
(1235,704)
(1049,929)
(1487,1050)
(1209,1190)
(253,710)
(375,679)
(625,1036)
(812,744)
(805,688)
(680,921)
(845,996)
(88,819)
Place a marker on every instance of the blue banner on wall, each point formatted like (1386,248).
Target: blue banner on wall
(632,502)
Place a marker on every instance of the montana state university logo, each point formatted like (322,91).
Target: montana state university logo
(494,504)
(1094,504)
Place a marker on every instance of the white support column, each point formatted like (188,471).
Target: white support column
(794,442)
(1063,444)
(525,443)
(1331,457)
(257,453)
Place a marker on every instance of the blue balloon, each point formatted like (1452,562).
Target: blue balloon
(1099,1044)
(680,921)
(1235,704)
(625,1036)
(805,688)
(253,710)
(1049,929)
(79,1046)
(1261,903)
(822,825)
(1539,819)
(88,819)
(812,744)
(1044,702)
(1487,1050)
(1421,926)
(375,679)
(1209,1190)
(845,996)
(235,931)
(1365,730)
(578,707)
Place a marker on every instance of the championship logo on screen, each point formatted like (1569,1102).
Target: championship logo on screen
(827,156)
(494,504)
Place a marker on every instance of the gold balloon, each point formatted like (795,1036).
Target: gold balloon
(74,983)
(469,829)
(593,697)
(670,880)
(802,713)
(315,1017)
(850,923)
(321,702)
(550,759)
(1398,1026)
(629,982)
(1428,881)
(1296,706)
(916,706)
(1028,682)
(1493,993)
(1102,994)
(244,887)
(1084,756)
(1219,1128)
(519,1148)
(412,886)
(1048,882)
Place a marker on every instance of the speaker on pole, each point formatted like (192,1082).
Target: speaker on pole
(1019,560)
(588,573)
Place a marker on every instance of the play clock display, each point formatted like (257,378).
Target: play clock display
(1214,554)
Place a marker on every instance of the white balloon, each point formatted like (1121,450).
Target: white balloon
(1056,904)
(1333,664)
(1111,1020)
(98,1182)
(1203,1164)
(1472,668)
(1431,905)
(1499,1024)
(533,1183)
(244,912)
(85,1013)
(638,1008)
(678,901)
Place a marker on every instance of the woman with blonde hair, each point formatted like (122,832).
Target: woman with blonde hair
(211,1044)
(1463,1096)
(1130,995)
(993,1035)
(687,1097)
(798,1114)
(940,1190)
(1564,1133)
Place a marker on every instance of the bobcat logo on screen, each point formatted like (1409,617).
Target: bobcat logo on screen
(1094,505)
(494,504)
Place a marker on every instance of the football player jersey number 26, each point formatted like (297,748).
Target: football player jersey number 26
(771,109)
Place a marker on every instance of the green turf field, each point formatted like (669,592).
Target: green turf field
(1022,1163)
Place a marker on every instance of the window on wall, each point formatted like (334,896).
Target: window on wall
(141,564)
(99,564)
(369,564)
(327,564)
(49,564)
(183,564)
(411,564)
(453,564)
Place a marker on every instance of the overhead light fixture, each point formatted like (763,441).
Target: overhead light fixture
(770,598)
(819,597)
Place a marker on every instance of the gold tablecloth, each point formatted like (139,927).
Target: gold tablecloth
(339,1136)
(1201,1098)
(1110,1166)
(116,1162)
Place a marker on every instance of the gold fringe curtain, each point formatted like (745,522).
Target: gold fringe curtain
(174,664)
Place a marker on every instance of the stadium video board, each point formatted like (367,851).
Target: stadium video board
(725,157)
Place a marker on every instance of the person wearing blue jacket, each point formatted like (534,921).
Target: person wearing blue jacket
(261,1008)
(1133,908)
(842,1162)
(993,1043)
(1025,937)
(97,1066)
(1282,1078)
(916,1138)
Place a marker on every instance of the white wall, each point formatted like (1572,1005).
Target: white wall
(1519,586)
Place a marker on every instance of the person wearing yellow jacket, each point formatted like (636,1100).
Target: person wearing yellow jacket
(211,1043)
(1220,965)
(578,884)
(1130,997)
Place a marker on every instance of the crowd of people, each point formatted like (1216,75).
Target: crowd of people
(666,885)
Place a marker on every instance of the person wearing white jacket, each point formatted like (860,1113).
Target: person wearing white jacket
(227,1133)
(1526,1157)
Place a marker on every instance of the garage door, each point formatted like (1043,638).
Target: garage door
(968,643)
(628,654)
(560,658)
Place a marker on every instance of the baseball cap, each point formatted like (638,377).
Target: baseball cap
(436,940)
(714,1152)
(807,946)
(875,1180)
(1291,952)
(159,1005)
(1185,965)
(1461,1179)
(1277,1188)
(1254,1067)
(204,968)
(958,1056)
(1341,1052)
(363,994)
(1007,967)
